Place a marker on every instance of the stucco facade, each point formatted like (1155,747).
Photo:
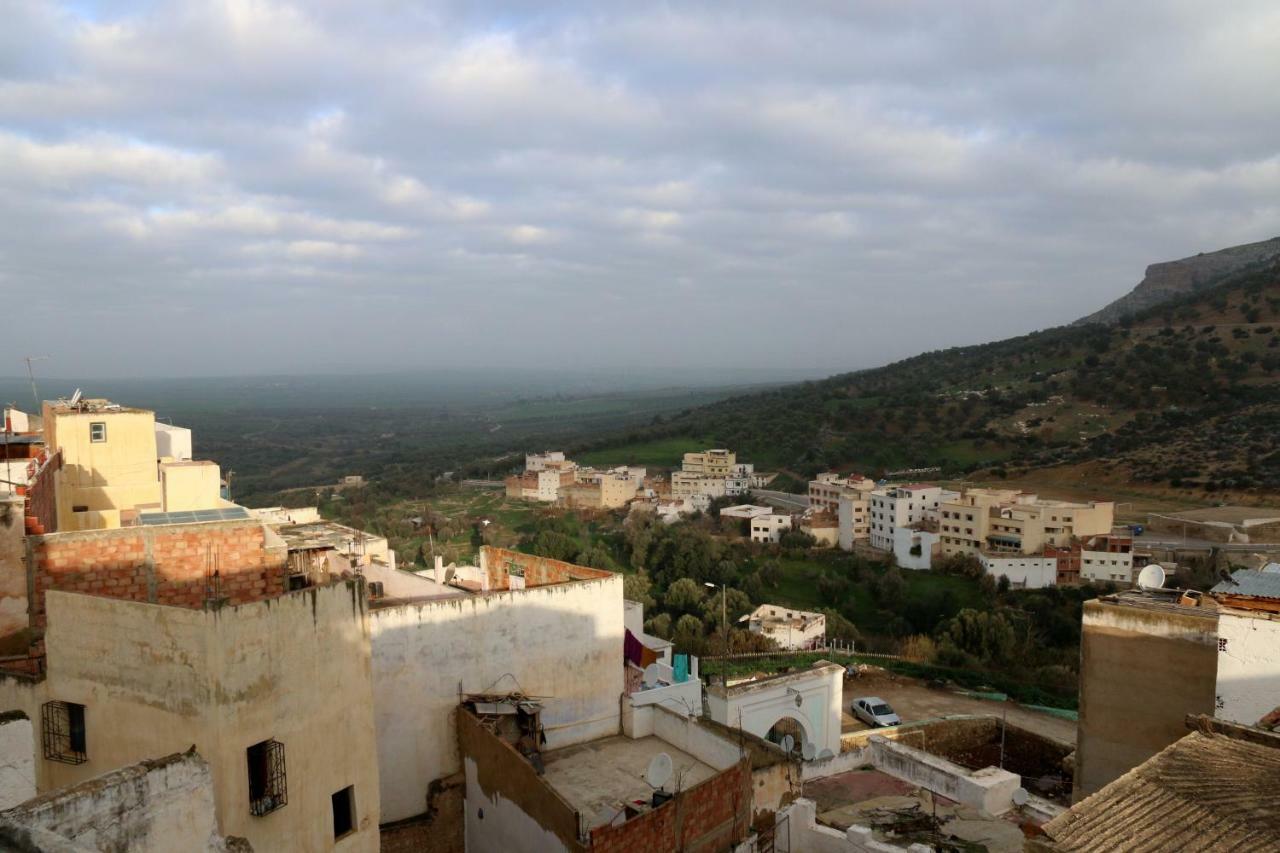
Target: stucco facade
(562,641)
(809,698)
(1248,685)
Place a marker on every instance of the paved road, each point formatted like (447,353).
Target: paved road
(1164,540)
(785,500)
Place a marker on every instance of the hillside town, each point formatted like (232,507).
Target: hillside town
(184,672)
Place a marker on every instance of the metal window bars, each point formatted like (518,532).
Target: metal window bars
(268,790)
(62,732)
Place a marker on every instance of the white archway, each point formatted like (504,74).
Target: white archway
(810,698)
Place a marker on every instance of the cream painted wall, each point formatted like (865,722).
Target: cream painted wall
(119,473)
(190,485)
(155,680)
(562,642)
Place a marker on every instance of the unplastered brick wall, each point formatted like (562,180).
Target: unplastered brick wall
(711,816)
(538,571)
(162,564)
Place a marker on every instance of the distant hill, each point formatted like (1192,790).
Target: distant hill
(1183,395)
(1174,279)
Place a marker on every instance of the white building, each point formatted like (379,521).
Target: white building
(1025,571)
(804,704)
(790,629)
(540,461)
(769,528)
(915,548)
(173,442)
(687,485)
(903,506)
(1248,679)
(1104,566)
(826,490)
(745,511)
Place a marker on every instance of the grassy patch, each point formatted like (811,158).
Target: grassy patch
(660,453)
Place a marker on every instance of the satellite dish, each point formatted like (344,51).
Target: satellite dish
(788,744)
(1020,796)
(659,772)
(808,751)
(650,674)
(1152,577)
(826,753)
(75,398)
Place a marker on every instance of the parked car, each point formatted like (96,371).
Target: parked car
(874,711)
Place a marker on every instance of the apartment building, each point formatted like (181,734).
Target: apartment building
(539,485)
(544,460)
(826,490)
(902,506)
(1007,521)
(607,490)
(710,463)
(688,485)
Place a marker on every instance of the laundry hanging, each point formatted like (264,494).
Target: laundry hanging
(681,667)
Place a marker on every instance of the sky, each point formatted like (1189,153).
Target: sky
(261,187)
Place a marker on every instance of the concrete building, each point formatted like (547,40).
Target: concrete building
(823,526)
(1146,661)
(803,704)
(903,506)
(853,516)
(689,485)
(108,470)
(710,463)
(745,511)
(547,459)
(915,547)
(826,490)
(1024,571)
(1007,521)
(539,485)
(1248,680)
(605,490)
(769,528)
(790,629)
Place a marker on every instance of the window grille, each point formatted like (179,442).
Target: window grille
(62,732)
(267,788)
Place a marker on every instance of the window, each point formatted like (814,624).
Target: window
(97,431)
(344,811)
(267,789)
(62,732)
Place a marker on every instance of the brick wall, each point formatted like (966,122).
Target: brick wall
(40,494)
(159,564)
(711,816)
(538,571)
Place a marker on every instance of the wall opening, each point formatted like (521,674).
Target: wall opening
(268,790)
(344,811)
(62,732)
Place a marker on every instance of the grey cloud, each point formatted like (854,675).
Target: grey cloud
(239,185)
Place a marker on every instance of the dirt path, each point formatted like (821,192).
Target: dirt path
(914,700)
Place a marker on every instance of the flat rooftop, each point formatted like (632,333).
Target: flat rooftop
(1166,600)
(600,777)
(321,534)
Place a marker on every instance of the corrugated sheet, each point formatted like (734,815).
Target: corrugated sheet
(1251,583)
(1205,793)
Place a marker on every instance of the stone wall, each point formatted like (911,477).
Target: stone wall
(17,759)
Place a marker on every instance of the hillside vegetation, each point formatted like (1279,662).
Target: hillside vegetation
(1185,395)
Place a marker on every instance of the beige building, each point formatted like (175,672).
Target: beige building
(602,491)
(711,463)
(688,485)
(769,528)
(826,491)
(109,469)
(1007,521)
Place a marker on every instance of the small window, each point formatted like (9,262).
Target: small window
(97,431)
(267,788)
(344,811)
(62,732)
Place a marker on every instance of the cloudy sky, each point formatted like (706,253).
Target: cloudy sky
(249,186)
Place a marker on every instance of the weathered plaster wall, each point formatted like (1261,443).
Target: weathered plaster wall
(156,680)
(13,570)
(560,642)
(757,706)
(17,759)
(161,806)
(989,789)
(1248,665)
(804,833)
(1141,672)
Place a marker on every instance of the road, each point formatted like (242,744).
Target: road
(914,700)
(783,500)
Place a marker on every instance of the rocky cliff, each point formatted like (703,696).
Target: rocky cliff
(1171,279)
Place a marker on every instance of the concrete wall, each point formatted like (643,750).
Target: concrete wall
(906,538)
(155,680)
(1023,571)
(17,759)
(1248,665)
(805,835)
(1141,672)
(757,706)
(173,441)
(112,475)
(990,789)
(13,572)
(186,486)
(159,806)
(562,642)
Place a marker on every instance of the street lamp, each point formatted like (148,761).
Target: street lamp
(724,619)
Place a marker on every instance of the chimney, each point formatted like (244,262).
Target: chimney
(439,570)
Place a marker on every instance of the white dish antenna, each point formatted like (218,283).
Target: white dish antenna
(788,744)
(1152,577)
(826,753)
(1020,796)
(659,772)
(650,674)
(808,751)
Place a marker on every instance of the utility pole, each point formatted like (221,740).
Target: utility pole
(35,395)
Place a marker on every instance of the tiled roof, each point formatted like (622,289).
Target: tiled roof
(1250,583)
(1206,792)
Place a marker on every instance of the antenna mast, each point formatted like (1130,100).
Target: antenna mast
(35,395)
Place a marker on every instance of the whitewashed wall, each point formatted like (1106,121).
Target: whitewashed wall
(1248,666)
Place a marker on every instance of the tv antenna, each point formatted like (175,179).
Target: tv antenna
(31,374)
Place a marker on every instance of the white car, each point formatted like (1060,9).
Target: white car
(874,711)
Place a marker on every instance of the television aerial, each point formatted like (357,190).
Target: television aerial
(659,771)
(75,398)
(808,752)
(1152,577)
(788,744)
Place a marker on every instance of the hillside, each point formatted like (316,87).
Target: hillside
(1183,396)
(1176,279)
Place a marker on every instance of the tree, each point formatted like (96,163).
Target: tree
(988,637)
(890,588)
(840,628)
(556,545)
(712,609)
(683,596)
(770,573)
(639,588)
